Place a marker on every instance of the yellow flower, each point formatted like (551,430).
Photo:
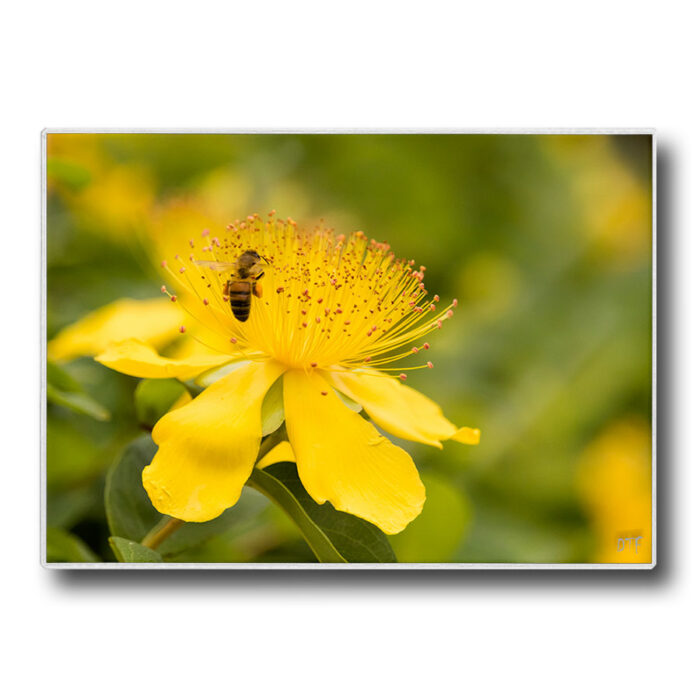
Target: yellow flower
(336,315)
(153,321)
(614,479)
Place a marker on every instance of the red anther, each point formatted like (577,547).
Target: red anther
(436,298)
(432,307)
(303,311)
(422,268)
(280,290)
(314,364)
(318,319)
(182,269)
(414,350)
(164,263)
(339,311)
(438,323)
(324,393)
(250,218)
(163,289)
(173,298)
(418,309)
(319,300)
(232,340)
(205,232)
(367,359)
(450,313)
(305,324)
(454,302)
(369,334)
(430,364)
(205,301)
(403,377)
(374,328)
(271,213)
(182,329)
(347,323)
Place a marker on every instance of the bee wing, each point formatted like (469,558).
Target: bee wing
(215,264)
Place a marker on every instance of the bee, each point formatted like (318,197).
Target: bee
(246,273)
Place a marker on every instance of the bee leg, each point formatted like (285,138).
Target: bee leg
(257,289)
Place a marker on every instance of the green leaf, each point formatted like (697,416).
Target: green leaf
(333,536)
(131,515)
(131,552)
(129,511)
(62,546)
(153,398)
(437,533)
(63,390)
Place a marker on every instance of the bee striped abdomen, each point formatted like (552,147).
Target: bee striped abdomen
(239,298)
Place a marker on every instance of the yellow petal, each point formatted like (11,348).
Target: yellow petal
(207,448)
(279,453)
(154,321)
(467,436)
(401,410)
(138,359)
(342,458)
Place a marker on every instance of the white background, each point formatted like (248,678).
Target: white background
(320,65)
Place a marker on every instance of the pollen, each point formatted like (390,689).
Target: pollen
(370,308)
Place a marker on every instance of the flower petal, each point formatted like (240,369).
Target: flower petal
(154,321)
(342,458)
(207,448)
(137,359)
(282,452)
(401,410)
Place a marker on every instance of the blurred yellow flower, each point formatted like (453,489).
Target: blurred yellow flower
(113,199)
(615,206)
(335,316)
(615,486)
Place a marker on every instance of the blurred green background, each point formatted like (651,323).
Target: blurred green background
(546,242)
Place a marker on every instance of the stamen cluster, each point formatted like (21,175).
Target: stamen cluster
(328,299)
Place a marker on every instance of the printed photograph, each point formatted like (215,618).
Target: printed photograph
(386,349)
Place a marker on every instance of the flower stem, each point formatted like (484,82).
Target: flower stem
(161,531)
